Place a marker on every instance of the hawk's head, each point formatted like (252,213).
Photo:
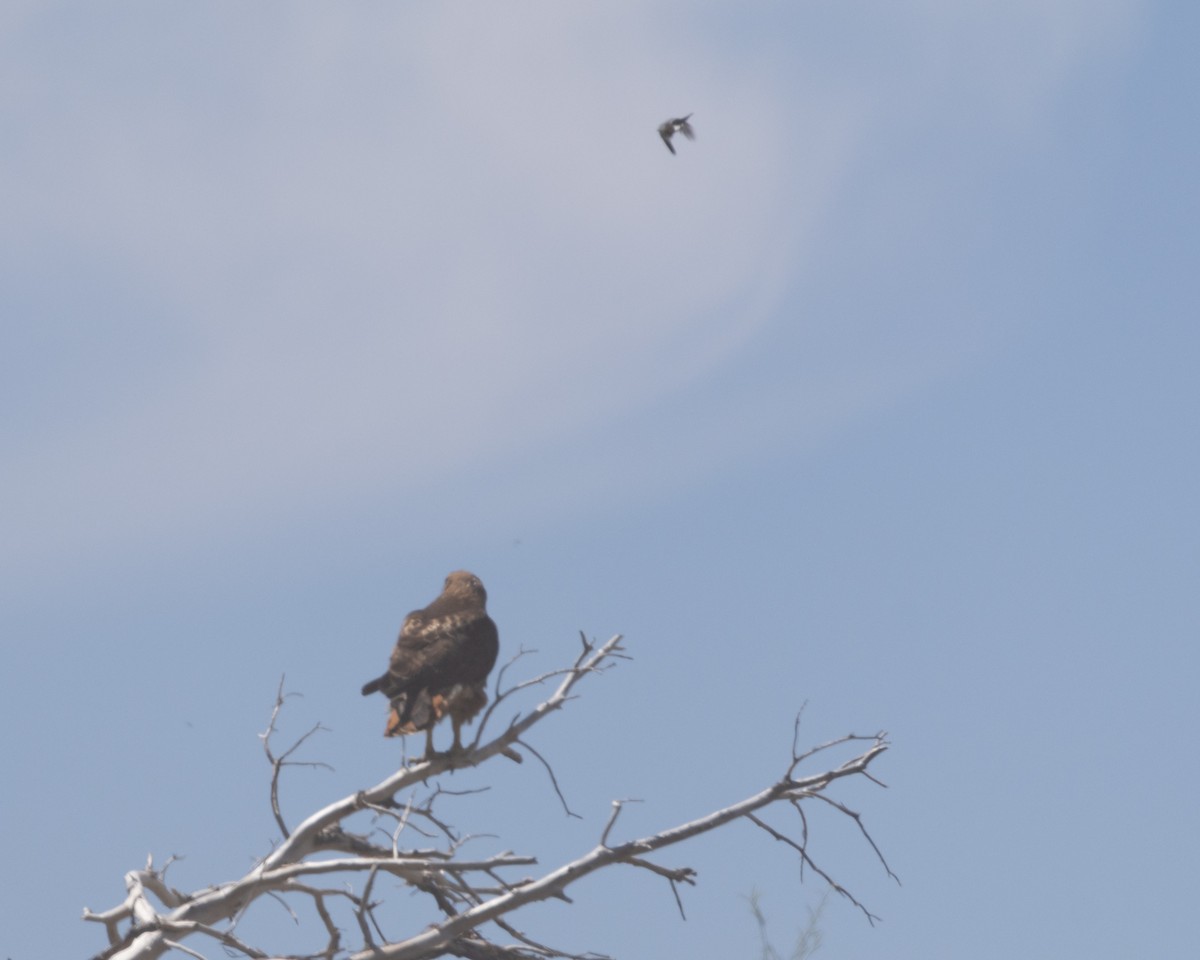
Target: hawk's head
(464,584)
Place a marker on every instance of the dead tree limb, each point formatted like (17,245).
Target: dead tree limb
(470,895)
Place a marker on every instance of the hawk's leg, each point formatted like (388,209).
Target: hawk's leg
(456,747)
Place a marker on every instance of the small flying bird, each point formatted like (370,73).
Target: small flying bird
(440,663)
(671,127)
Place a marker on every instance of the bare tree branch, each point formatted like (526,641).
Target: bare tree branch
(278,763)
(323,864)
(429,942)
(553,781)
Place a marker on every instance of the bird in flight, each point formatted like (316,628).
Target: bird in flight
(671,127)
(440,663)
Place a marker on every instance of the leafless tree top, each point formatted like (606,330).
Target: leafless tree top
(324,863)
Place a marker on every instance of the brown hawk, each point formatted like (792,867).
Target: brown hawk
(441,662)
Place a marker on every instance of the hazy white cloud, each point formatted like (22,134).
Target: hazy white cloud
(368,248)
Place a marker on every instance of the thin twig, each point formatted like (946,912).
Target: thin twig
(278,763)
(553,780)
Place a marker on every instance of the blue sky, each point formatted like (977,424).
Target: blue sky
(880,396)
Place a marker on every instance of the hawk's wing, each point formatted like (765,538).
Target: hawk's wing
(409,654)
(434,656)
(439,650)
(428,650)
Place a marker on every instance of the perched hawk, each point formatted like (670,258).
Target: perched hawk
(441,662)
(671,127)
